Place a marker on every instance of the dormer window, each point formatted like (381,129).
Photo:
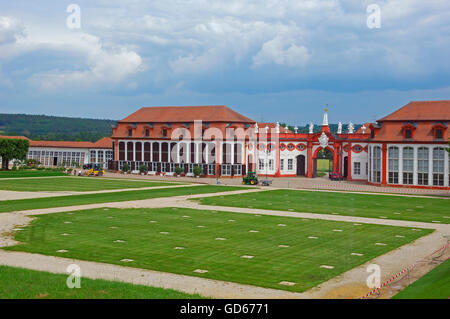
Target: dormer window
(408,130)
(408,133)
(147,132)
(130,132)
(164,132)
(439,130)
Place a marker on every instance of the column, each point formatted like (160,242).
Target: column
(335,158)
(277,159)
(349,162)
(218,156)
(446,168)
(309,159)
(134,151)
(415,166)
(384,164)
(151,152)
(430,166)
(126,150)
(400,165)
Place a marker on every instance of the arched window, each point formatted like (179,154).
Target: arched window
(130,151)
(438,166)
(422,165)
(408,165)
(393,157)
(376,164)
(121,151)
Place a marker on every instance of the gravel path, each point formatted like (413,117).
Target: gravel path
(351,284)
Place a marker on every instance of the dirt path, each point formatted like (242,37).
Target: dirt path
(351,284)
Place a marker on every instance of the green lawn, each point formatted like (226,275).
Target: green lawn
(434,285)
(84,199)
(348,204)
(18,283)
(30,173)
(152,239)
(323,165)
(79,184)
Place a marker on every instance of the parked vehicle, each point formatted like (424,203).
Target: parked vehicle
(96,170)
(250,179)
(336,177)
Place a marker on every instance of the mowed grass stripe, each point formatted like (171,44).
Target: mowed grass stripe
(149,238)
(79,184)
(429,210)
(85,199)
(434,285)
(19,283)
(30,173)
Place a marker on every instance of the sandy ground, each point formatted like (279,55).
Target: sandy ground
(351,284)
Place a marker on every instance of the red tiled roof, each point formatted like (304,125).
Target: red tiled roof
(15,137)
(368,130)
(421,111)
(105,142)
(392,132)
(181,114)
(68,144)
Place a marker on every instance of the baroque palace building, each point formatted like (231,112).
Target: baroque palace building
(405,148)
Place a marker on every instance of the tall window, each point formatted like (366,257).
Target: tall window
(422,166)
(226,169)
(438,166)
(211,169)
(357,168)
(261,164)
(270,164)
(282,164)
(100,157)
(237,169)
(93,157)
(290,164)
(408,165)
(376,164)
(393,156)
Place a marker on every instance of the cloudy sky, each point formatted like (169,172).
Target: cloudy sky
(270,60)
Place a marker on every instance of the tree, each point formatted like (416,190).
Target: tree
(12,149)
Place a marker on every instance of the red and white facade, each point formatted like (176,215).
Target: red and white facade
(405,148)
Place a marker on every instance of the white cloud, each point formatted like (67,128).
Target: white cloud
(281,52)
(100,63)
(10,30)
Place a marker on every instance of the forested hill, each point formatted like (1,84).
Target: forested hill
(54,128)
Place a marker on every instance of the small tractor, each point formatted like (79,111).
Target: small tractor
(250,179)
(96,170)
